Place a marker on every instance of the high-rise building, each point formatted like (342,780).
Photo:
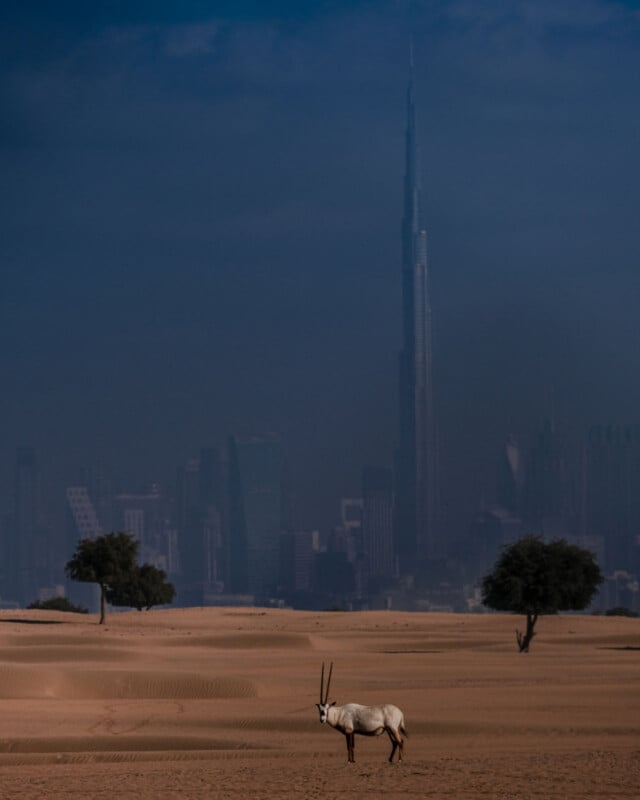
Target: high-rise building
(187,518)
(200,518)
(548,507)
(611,505)
(347,537)
(377,521)
(510,478)
(416,512)
(345,542)
(97,481)
(82,523)
(256,505)
(297,550)
(83,520)
(214,504)
(144,516)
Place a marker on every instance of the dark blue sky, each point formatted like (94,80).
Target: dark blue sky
(200,227)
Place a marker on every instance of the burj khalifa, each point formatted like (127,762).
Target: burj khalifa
(416,471)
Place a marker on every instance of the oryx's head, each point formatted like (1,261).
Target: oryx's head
(324,705)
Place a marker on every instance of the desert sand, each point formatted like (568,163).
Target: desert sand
(219,703)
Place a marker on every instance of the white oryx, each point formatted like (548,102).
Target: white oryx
(365,720)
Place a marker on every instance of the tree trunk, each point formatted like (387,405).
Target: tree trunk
(103,603)
(525,640)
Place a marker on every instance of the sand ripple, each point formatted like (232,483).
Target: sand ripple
(119,684)
(244,641)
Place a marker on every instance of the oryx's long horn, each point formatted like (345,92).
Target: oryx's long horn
(322,683)
(326,696)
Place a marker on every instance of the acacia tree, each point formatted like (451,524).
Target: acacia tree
(146,586)
(106,560)
(534,577)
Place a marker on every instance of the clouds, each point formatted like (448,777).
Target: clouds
(197,39)
(502,86)
(541,17)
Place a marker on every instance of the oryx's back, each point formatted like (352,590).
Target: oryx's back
(366,718)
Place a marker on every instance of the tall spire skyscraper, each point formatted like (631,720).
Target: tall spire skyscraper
(416,517)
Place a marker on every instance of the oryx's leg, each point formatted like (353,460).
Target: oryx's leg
(396,742)
(351,743)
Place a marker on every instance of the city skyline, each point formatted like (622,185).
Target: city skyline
(225,533)
(201,233)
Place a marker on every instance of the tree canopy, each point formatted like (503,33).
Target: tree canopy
(106,560)
(111,562)
(534,577)
(58,604)
(146,586)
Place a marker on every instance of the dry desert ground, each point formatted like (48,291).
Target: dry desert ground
(219,703)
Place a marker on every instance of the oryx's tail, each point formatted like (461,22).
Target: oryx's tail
(404,731)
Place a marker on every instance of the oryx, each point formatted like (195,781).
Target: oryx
(353,718)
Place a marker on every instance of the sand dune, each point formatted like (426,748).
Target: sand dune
(215,703)
(97,684)
(244,641)
(125,744)
(52,654)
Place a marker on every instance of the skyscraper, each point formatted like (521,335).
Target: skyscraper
(377,521)
(82,523)
(416,513)
(612,495)
(256,503)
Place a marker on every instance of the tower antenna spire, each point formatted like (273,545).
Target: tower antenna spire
(417,515)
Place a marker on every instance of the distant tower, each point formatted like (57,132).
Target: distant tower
(83,523)
(547,497)
(191,544)
(612,496)
(511,477)
(98,484)
(416,514)
(256,520)
(143,515)
(377,521)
